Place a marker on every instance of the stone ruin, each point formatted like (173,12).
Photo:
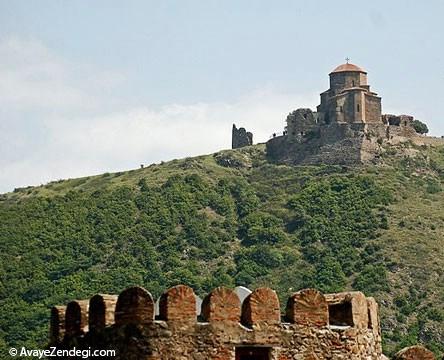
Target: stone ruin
(347,127)
(314,326)
(240,137)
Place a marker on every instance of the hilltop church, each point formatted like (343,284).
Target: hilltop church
(349,98)
(348,126)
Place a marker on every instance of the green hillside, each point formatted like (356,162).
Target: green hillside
(227,219)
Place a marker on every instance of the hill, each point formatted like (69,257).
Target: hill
(233,218)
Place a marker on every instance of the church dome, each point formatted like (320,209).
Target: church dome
(348,67)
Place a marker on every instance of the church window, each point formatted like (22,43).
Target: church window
(358,108)
(353,83)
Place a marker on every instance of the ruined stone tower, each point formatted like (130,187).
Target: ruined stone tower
(240,137)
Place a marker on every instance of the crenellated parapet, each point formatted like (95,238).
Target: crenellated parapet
(57,324)
(178,304)
(308,307)
(313,326)
(135,305)
(101,312)
(261,307)
(221,305)
(76,318)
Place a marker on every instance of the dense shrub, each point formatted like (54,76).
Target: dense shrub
(334,219)
(420,127)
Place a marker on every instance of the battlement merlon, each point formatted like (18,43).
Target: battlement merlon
(338,326)
(224,323)
(135,305)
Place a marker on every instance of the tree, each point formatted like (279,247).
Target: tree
(420,127)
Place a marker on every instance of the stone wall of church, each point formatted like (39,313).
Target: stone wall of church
(372,109)
(344,80)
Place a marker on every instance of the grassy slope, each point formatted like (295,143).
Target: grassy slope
(412,246)
(414,242)
(155,174)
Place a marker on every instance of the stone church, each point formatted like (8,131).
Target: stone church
(347,127)
(349,98)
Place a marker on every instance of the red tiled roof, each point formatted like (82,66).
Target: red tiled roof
(348,67)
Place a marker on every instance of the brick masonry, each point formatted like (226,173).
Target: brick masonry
(314,326)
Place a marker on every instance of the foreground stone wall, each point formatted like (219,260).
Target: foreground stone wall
(314,327)
(226,328)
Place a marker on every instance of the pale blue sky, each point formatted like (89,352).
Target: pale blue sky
(94,86)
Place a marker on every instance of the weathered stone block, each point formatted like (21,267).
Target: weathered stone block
(310,356)
(221,305)
(135,305)
(178,304)
(373,318)
(416,352)
(261,306)
(76,318)
(307,307)
(348,308)
(57,324)
(101,311)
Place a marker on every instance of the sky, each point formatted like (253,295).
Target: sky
(88,87)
